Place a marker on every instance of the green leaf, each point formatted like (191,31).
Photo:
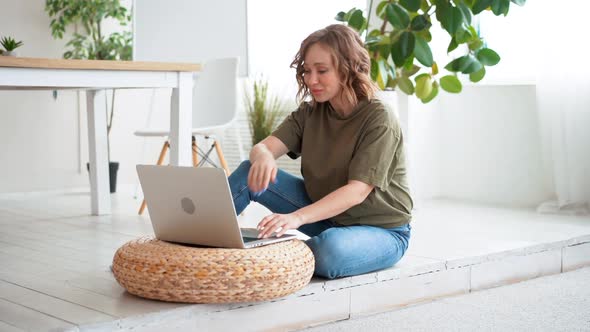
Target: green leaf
(478,75)
(475,44)
(381,7)
(384,50)
(462,35)
(480,5)
(488,57)
(405,85)
(519,2)
(356,20)
(397,16)
(411,5)
(383,70)
(465,11)
(340,17)
(410,71)
(425,34)
(420,22)
(423,86)
(374,69)
(432,94)
(423,53)
(451,83)
(402,48)
(452,45)
(500,7)
(452,21)
(465,64)
(474,66)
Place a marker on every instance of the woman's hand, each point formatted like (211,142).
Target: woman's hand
(264,167)
(263,170)
(279,223)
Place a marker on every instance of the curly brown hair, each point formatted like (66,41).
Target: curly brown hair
(350,58)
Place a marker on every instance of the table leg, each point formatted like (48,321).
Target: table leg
(97,147)
(181,120)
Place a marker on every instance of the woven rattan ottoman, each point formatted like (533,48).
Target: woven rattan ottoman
(165,271)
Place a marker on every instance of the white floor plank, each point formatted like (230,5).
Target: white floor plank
(52,306)
(116,304)
(14,317)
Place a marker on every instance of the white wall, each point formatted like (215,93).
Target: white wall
(481,145)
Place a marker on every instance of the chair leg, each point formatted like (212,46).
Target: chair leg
(195,153)
(160,161)
(221,157)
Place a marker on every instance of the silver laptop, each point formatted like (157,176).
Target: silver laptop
(194,206)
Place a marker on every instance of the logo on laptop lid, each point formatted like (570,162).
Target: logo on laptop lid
(187,205)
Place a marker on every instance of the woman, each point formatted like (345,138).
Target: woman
(353,200)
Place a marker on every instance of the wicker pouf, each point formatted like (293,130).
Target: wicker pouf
(165,271)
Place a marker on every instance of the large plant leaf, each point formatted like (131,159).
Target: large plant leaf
(519,2)
(384,70)
(423,86)
(356,20)
(478,75)
(452,45)
(465,64)
(480,5)
(420,22)
(488,57)
(374,69)
(405,85)
(423,53)
(432,94)
(465,11)
(500,7)
(411,5)
(402,48)
(397,16)
(463,35)
(340,17)
(410,70)
(381,8)
(451,83)
(474,66)
(452,21)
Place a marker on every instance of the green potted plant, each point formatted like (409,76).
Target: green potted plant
(91,43)
(9,44)
(264,111)
(400,46)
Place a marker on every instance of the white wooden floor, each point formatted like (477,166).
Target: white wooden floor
(54,257)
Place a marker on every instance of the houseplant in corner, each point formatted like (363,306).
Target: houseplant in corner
(400,46)
(263,111)
(89,42)
(9,45)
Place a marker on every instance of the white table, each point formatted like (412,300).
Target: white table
(95,76)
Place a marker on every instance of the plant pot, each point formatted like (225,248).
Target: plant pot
(9,53)
(113,168)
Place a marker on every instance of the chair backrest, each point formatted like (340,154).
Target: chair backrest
(215,95)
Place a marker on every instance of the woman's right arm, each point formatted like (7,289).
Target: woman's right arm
(264,166)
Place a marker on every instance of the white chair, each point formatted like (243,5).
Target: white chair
(214,110)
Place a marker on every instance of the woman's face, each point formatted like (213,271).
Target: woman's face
(320,74)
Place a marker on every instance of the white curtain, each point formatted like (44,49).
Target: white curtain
(563,97)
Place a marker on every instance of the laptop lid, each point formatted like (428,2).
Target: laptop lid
(194,205)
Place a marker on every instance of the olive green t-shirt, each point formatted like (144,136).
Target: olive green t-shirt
(366,146)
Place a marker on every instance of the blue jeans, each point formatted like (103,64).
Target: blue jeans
(339,251)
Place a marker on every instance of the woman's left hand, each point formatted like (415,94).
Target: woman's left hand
(276,221)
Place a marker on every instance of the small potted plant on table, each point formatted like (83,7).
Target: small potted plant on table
(9,44)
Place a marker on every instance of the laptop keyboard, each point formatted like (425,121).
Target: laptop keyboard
(249,239)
